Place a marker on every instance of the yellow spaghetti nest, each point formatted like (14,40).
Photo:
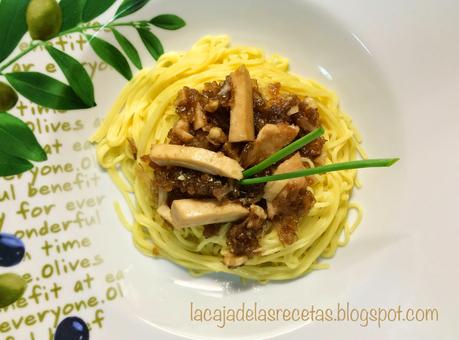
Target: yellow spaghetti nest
(144,113)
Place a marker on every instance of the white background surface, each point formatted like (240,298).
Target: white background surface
(415,44)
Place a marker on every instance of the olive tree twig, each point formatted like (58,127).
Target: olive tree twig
(78,29)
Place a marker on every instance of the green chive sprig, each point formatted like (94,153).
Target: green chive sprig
(366,163)
(284,152)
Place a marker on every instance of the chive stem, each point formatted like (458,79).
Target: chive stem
(284,152)
(366,163)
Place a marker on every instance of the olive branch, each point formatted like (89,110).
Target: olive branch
(45,20)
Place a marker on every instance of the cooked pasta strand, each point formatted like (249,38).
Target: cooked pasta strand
(144,113)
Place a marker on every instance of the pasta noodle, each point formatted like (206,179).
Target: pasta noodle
(144,113)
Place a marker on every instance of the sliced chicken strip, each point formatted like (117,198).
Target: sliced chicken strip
(200,119)
(273,189)
(241,123)
(191,212)
(165,212)
(180,133)
(195,158)
(232,261)
(271,138)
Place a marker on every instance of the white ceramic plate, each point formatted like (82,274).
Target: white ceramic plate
(394,66)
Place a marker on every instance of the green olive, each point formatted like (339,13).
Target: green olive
(8,97)
(44,19)
(12,287)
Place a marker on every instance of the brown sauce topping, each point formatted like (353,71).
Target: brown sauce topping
(205,123)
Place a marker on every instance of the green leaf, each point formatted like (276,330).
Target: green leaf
(13,25)
(10,165)
(45,91)
(151,42)
(168,21)
(128,7)
(111,55)
(94,8)
(75,74)
(128,48)
(16,139)
(72,13)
